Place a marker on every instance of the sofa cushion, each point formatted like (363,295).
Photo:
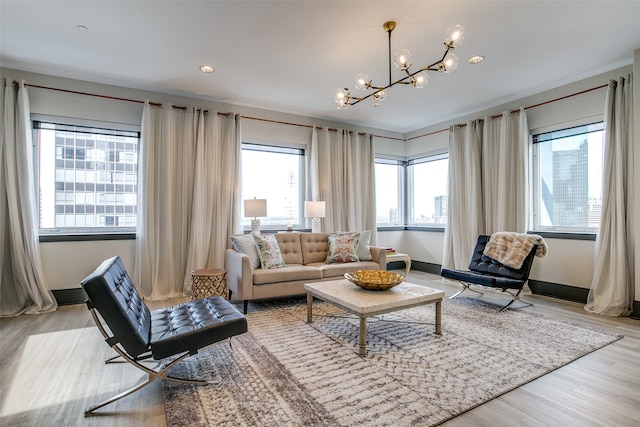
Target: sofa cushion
(269,251)
(290,249)
(363,244)
(339,269)
(314,247)
(246,244)
(343,248)
(286,274)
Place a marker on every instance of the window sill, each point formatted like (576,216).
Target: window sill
(411,228)
(565,235)
(86,237)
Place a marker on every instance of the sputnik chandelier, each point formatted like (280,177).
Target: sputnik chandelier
(402,60)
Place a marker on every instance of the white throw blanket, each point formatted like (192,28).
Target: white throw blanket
(511,249)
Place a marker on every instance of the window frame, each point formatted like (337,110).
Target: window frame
(67,233)
(426,158)
(401,190)
(302,166)
(539,136)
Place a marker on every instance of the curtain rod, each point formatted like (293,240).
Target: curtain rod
(157,104)
(517,111)
(137,101)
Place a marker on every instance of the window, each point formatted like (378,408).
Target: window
(276,174)
(427,190)
(567,177)
(87,178)
(389,192)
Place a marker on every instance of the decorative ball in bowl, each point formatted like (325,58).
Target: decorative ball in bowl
(375,280)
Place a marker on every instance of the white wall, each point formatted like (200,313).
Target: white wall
(65,264)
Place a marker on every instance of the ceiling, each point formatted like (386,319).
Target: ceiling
(292,56)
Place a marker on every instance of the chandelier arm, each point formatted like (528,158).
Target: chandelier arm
(433,67)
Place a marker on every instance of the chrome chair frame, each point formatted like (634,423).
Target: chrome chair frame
(152,374)
(167,335)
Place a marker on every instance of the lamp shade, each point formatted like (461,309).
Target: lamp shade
(255,208)
(314,209)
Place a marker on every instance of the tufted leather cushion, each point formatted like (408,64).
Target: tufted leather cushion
(487,271)
(112,293)
(289,244)
(193,325)
(167,331)
(315,247)
(483,264)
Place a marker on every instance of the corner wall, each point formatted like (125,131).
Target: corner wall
(570,262)
(636,162)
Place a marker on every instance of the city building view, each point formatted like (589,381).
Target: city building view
(87,177)
(570,179)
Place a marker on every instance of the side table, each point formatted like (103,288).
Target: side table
(208,282)
(400,257)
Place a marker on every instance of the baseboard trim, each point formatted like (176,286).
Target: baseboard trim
(556,290)
(425,267)
(69,296)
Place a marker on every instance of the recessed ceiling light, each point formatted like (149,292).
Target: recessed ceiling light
(207,69)
(476,59)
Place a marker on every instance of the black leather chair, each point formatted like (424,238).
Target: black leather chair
(138,334)
(488,272)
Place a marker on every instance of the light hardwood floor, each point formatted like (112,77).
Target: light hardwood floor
(52,368)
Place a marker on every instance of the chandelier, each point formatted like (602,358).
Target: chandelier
(402,60)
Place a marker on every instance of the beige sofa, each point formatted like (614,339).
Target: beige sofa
(304,255)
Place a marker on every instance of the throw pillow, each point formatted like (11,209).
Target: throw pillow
(363,244)
(343,248)
(269,251)
(246,244)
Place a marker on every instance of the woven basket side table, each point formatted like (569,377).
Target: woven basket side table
(208,282)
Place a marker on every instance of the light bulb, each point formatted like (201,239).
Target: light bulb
(343,105)
(380,95)
(362,81)
(402,60)
(342,95)
(450,63)
(454,36)
(420,80)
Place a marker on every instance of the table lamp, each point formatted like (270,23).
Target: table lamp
(315,211)
(255,208)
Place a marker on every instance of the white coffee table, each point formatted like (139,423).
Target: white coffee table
(364,303)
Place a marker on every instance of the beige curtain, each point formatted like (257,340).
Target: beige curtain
(342,165)
(488,173)
(465,217)
(216,198)
(189,166)
(505,172)
(612,287)
(23,287)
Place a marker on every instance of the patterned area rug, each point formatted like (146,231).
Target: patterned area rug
(285,372)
